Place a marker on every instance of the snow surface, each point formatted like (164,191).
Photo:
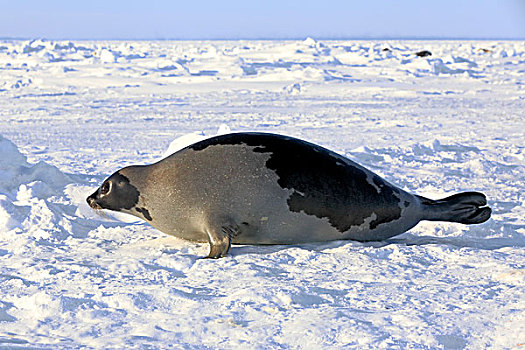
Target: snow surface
(72,113)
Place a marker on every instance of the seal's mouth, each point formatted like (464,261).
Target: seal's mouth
(93,204)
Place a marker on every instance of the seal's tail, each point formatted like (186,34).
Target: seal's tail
(465,208)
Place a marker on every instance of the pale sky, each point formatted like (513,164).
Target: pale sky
(262,19)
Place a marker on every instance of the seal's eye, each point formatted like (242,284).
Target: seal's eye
(106,187)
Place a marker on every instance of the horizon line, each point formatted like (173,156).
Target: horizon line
(262,38)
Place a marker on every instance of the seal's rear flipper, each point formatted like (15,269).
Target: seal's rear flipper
(465,208)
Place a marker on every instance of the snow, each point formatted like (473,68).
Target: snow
(74,112)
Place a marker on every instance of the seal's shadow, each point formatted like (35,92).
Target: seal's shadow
(483,237)
(460,242)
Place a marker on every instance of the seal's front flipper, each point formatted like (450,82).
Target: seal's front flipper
(220,238)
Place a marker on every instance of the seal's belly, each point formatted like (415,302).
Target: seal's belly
(271,221)
(286,227)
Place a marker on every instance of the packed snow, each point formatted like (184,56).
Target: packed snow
(71,113)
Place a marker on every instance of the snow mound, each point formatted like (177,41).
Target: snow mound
(191,138)
(17,173)
(27,193)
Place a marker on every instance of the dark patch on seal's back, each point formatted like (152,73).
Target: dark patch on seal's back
(321,186)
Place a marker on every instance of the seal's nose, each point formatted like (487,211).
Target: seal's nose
(91,201)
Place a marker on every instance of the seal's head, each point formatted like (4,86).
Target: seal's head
(115,193)
(118,193)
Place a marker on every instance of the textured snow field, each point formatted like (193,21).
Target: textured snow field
(72,113)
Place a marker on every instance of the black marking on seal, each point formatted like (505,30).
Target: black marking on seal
(321,186)
(123,194)
(144,212)
(407,204)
